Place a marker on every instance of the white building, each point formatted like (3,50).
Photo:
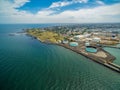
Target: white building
(82,36)
(87,35)
(78,37)
(87,44)
(96,39)
(65,42)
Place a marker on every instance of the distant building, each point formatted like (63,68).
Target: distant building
(88,39)
(87,44)
(77,37)
(96,39)
(59,41)
(65,41)
(87,35)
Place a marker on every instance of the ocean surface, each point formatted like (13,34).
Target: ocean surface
(115,52)
(27,64)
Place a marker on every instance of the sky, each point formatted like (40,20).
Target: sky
(59,11)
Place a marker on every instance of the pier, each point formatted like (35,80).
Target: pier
(113,66)
(112,47)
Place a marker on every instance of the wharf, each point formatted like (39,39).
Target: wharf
(112,47)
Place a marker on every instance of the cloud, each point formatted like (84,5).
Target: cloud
(66,3)
(45,13)
(59,4)
(19,3)
(14,4)
(100,2)
(98,14)
(104,13)
(10,7)
(9,13)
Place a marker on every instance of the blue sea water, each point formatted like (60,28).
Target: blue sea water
(115,52)
(27,64)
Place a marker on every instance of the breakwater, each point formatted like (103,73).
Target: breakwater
(112,47)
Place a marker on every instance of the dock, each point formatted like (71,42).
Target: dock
(113,66)
(112,47)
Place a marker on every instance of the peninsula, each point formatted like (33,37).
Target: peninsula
(83,41)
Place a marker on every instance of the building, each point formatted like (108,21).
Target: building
(65,41)
(87,44)
(96,39)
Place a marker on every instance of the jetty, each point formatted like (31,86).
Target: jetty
(113,66)
(117,47)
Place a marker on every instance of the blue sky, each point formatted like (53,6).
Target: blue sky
(59,11)
(36,5)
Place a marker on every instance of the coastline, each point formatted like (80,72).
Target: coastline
(40,65)
(107,62)
(109,65)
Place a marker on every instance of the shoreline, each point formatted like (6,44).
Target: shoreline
(105,62)
(109,65)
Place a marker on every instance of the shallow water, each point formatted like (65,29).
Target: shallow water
(115,52)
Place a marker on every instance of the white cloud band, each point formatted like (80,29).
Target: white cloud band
(103,13)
